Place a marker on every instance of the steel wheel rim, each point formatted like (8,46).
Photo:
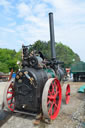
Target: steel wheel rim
(51,104)
(9,98)
(54,99)
(67,94)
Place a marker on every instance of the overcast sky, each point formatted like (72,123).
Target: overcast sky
(25,21)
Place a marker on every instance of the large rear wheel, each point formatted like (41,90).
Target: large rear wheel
(66,93)
(51,98)
(67,99)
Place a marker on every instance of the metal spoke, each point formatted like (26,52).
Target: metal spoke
(9,98)
(10,92)
(50,110)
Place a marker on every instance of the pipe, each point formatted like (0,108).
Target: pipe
(52,37)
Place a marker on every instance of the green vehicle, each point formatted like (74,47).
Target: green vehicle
(78,71)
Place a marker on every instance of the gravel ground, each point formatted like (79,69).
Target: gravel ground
(70,116)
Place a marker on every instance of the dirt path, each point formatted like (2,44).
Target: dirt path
(70,116)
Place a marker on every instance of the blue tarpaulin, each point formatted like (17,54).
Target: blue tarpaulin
(81,89)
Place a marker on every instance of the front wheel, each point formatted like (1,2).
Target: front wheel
(9,98)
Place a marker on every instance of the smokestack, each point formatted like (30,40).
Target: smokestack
(52,37)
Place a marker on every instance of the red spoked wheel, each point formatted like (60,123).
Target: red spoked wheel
(67,94)
(9,99)
(51,98)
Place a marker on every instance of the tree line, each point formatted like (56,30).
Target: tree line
(9,58)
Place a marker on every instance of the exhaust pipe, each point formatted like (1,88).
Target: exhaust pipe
(52,37)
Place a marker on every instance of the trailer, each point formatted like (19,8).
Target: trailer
(78,71)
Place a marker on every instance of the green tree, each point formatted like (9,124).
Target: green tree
(4,67)
(9,58)
(63,52)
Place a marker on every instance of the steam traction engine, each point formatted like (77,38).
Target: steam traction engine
(36,87)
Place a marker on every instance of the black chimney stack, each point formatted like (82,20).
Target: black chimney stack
(52,37)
